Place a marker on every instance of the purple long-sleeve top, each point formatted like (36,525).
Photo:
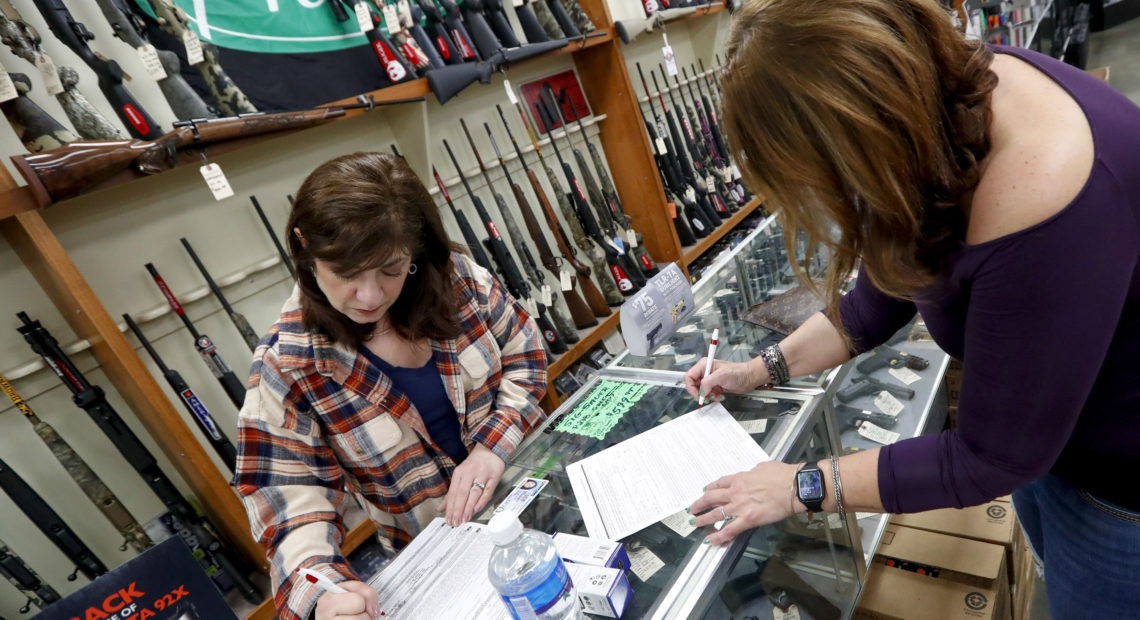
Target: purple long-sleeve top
(1046,321)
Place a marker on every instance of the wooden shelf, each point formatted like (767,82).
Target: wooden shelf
(590,338)
(694,252)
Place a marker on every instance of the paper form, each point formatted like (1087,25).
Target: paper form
(647,478)
(441,574)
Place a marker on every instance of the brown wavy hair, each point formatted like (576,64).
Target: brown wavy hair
(356,212)
(862,123)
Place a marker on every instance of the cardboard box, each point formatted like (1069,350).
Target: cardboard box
(923,574)
(591,551)
(993,522)
(602,591)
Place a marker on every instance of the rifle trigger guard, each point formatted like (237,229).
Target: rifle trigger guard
(126,543)
(27,605)
(74,575)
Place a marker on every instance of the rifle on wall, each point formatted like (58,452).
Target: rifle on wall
(26,580)
(285,260)
(233,387)
(238,319)
(582,315)
(51,524)
(130,28)
(229,98)
(396,67)
(35,128)
(448,81)
(93,486)
(25,42)
(508,269)
(191,527)
(613,296)
(693,164)
(190,400)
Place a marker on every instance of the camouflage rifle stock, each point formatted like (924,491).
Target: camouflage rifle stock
(93,487)
(25,42)
(581,20)
(35,128)
(538,22)
(229,98)
(129,27)
(26,580)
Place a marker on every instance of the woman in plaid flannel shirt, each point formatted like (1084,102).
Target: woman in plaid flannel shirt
(400,374)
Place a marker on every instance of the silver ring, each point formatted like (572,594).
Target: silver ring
(479,485)
(724,514)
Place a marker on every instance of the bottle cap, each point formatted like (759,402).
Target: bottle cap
(504,528)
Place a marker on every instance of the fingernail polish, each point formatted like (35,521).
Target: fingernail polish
(705,541)
(693,521)
(689,510)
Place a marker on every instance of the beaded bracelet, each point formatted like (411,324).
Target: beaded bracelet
(777,366)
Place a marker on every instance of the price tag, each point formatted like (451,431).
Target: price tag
(905,375)
(517,3)
(510,92)
(405,10)
(194,53)
(661,148)
(735,172)
(644,563)
(363,17)
(151,62)
(391,18)
(531,307)
(888,404)
(793,613)
(631,238)
(565,280)
(545,294)
(679,523)
(670,59)
(710,182)
(755,427)
(8,90)
(878,434)
(50,75)
(672,206)
(690,194)
(216,180)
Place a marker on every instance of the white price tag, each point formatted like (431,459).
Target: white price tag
(631,238)
(391,18)
(405,10)
(546,296)
(363,17)
(670,59)
(517,3)
(50,75)
(755,427)
(644,563)
(735,172)
(878,434)
(888,404)
(793,613)
(151,62)
(679,523)
(565,280)
(660,144)
(905,375)
(216,180)
(194,53)
(510,92)
(531,307)
(8,90)
(690,194)
(710,182)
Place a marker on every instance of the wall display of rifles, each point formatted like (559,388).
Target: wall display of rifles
(189,524)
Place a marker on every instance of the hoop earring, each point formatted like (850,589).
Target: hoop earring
(413,269)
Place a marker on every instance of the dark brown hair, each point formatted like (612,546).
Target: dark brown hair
(356,212)
(862,123)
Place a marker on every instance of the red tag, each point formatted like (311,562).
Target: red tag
(443,47)
(645,262)
(672,206)
(623,281)
(136,118)
(465,50)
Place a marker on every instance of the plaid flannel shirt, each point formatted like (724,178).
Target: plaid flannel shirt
(322,426)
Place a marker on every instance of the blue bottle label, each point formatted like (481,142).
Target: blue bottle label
(553,590)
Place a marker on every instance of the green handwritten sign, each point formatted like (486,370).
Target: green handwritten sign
(602,409)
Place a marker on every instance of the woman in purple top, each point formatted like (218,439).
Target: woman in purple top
(996,192)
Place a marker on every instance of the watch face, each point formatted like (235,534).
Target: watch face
(809,485)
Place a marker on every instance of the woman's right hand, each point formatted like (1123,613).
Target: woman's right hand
(361,602)
(726,377)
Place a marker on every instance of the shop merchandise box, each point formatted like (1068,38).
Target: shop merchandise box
(923,574)
(591,551)
(993,522)
(602,591)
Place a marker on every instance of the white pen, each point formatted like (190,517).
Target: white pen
(320,581)
(708,364)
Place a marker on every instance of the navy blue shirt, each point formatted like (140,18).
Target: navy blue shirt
(424,387)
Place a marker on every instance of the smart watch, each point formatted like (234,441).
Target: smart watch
(809,487)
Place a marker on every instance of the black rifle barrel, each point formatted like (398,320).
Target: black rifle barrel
(238,319)
(272,235)
(25,579)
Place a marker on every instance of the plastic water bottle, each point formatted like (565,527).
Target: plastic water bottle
(528,572)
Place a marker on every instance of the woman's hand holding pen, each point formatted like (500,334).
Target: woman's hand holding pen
(747,500)
(472,485)
(356,601)
(726,377)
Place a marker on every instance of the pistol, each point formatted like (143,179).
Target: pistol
(851,417)
(862,386)
(886,356)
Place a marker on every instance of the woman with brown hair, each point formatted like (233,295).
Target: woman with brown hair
(996,191)
(400,374)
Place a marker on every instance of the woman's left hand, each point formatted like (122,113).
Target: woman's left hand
(751,498)
(472,485)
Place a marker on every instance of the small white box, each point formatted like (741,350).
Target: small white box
(591,551)
(602,591)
